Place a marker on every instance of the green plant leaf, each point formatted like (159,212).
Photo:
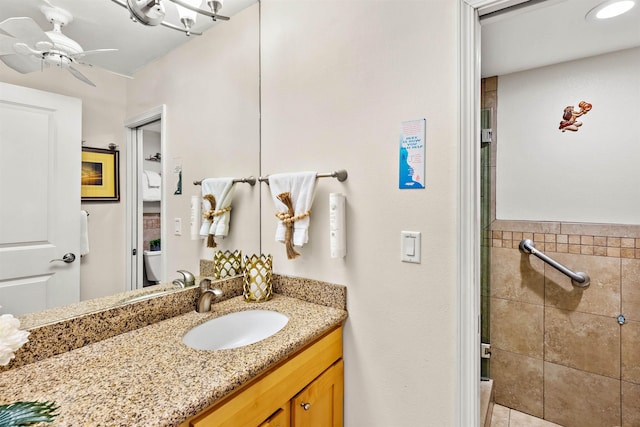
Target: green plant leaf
(20,414)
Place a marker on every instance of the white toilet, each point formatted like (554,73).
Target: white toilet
(152,265)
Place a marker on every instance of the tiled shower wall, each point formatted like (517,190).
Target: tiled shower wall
(558,351)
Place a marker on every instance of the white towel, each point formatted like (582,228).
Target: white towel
(149,192)
(84,233)
(302,187)
(154,178)
(222,190)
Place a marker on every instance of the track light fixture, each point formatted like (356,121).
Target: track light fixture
(152,12)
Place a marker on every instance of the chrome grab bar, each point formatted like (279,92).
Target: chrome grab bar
(579,279)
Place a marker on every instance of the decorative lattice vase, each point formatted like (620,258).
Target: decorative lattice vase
(257,273)
(227,264)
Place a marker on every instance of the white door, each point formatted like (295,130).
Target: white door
(40,146)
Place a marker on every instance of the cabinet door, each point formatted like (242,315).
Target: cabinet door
(280,419)
(320,403)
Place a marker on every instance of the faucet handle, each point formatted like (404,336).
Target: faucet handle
(205,284)
(189,279)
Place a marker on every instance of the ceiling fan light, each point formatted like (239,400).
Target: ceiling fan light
(147,12)
(188,14)
(215,5)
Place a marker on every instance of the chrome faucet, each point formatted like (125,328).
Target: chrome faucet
(187,279)
(206,296)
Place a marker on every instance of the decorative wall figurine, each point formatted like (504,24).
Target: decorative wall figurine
(569,117)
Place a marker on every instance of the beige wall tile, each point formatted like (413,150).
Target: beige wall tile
(630,340)
(630,404)
(600,229)
(500,417)
(600,250)
(518,381)
(582,341)
(627,253)
(613,242)
(517,327)
(527,226)
(575,398)
(600,240)
(519,419)
(631,289)
(602,296)
(613,252)
(517,276)
(490,84)
(627,242)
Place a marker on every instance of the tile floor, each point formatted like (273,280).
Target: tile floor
(506,417)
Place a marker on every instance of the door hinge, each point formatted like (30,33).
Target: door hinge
(134,252)
(485,351)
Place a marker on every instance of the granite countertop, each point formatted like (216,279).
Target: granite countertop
(148,377)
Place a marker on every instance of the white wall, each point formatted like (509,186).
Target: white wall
(211,89)
(102,271)
(591,175)
(337,79)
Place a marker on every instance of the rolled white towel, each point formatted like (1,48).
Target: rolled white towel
(302,187)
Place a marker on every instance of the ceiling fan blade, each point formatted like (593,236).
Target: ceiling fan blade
(77,74)
(91,52)
(6,44)
(87,64)
(24,29)
(20,63)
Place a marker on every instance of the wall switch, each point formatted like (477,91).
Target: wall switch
(410,246)
(177,226)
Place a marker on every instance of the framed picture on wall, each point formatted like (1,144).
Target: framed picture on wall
(100,175)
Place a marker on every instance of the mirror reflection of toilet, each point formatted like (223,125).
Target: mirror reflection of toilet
(152,266)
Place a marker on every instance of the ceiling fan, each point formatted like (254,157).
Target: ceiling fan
(27,48)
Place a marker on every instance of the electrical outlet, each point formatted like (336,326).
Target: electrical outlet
(177,226)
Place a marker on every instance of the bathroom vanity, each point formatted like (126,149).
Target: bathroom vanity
(304,390)
(149,377)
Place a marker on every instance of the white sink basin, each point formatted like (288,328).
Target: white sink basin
(235,330)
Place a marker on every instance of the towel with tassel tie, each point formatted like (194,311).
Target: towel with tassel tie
(293,195)
(217,194)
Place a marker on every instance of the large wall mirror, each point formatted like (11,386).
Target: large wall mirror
(208,88)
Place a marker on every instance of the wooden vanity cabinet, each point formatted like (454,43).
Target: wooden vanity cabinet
(320,403)
(282,418)
(304,390)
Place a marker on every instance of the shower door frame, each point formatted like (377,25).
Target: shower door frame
(468,222)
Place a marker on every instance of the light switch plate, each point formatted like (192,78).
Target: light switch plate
(410,244)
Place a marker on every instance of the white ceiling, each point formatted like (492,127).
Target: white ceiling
(99,24)
(550,32)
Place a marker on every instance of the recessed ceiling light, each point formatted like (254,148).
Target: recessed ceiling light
(610,9)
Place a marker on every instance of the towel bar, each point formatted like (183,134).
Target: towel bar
(251,181)
(340,175)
